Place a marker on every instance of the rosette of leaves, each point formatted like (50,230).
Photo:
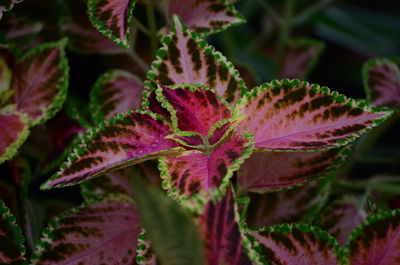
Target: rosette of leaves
(202,123)
(114,18)
(32,90)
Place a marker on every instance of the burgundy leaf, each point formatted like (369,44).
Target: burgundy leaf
(122,141)
(382,83)
(40,81)
(113,18)
(205,16)
(12,249)
(220,230)
(292,115)
(376,241)
(99,231)
(297,244)
(285,206)
(342,217)
(116,91)
(186,59)
(300,57)
(14,131)
(265,171)
(203,172)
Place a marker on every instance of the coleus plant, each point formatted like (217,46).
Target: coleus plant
(215,141)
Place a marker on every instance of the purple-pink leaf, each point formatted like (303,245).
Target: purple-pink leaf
(382,83)
(284,206)
(113,18)
(98,231)
(40,81)
(266,171)
(82,36)
(12,248)
(194,111)
(376,241)
(205,16)
(14,131)
(300,57)
(292,115)
(116,91)
(295,244)
(204,172)
(186,59)
(122,141)
(220,231)
(342,217)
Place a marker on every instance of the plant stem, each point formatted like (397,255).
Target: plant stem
(285,32)
(141,26)
(142,64)
(311,10)
(151,22)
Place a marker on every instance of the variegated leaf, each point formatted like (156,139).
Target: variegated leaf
(151,103)
(14,131)
(382,83)
(266,171)
(113,18)
(145,253)
(82,36)
(40,81)
(205,173)
(298,244)
(186,59)
(116,91)
(376,241)
(98,232)
(6,5)
(124,140)
(12,248)
(221,233)
(207,16)
(300,57)
(292,115)
(194,110)
(342,217)
(285,206)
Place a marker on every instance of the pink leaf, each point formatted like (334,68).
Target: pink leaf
(198,172)
(376,241)
(300,57)
(12,248)
(116,91)
(382,83)
(297,244)
(122,141)
(186,59)
(342,217)
(292,115)
(284,206)
(195,111)
(220,230)
(205,16)
(265,171)
(99,231)
(113,18)
(40,81)
(14,131)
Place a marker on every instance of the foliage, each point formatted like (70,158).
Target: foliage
(169,151)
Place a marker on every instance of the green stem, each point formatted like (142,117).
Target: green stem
(151,22)
(285,32)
